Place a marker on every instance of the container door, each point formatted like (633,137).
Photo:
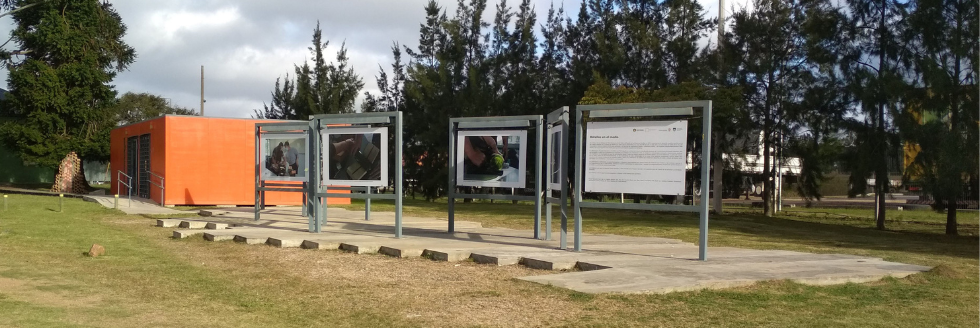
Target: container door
(132,148)
(144,163)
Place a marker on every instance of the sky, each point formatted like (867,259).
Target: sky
(244,45)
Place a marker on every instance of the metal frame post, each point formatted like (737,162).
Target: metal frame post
(451,185)
(312,187)
(564,178)
(679,108)
(558,118)
(577,199)
(258,172)
(367,206)
(261,186)
(399,193)
(705,181)
(319,193)
(537,178)
(498,122)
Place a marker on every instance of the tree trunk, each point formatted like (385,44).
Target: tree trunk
(766,175)
(881,165)
(951,216)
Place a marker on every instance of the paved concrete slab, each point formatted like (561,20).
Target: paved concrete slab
(609,263)
(135,206)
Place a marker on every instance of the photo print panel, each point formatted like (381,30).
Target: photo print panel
(554,157)
(491,158)
(283,157)
(636,157)
(355,157)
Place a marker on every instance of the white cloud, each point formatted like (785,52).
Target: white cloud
(245,45)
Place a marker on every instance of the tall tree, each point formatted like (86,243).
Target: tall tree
(136,107)
(873,68)
(324,88)
(283,101)
(766,47)
(942,121)
(68,53)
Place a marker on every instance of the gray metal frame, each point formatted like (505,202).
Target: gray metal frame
(555,118)
(261,186)
(496,122)
(677,108)
(318,194)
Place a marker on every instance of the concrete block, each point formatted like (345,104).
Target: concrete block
(401,251)
(561,263)
(168,223)
(360,248)
(181,234)
(193,224)
(215,226)
(210,236)
(447,255)
(320,244)
(285,242)
(251,240)
(495,259)
(585,266)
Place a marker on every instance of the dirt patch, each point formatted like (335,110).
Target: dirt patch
(946,271)
(46,294)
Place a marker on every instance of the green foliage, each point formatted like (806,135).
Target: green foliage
(136,107)
(324,88)
(943,43)
(69,52)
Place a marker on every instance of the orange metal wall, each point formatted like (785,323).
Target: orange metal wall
(207,161)
(117,154)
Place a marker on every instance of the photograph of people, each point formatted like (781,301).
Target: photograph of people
(277,163)
(291,157)
(283,158)
(354,156)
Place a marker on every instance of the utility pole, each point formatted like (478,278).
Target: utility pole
(719,161)
(202,89)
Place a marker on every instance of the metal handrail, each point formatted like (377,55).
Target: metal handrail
(129,185)
(161,185)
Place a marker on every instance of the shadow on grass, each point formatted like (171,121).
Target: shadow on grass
(771,232)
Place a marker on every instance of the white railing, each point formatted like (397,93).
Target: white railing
(128,184)
(161,185)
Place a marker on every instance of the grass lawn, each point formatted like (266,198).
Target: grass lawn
(148,279)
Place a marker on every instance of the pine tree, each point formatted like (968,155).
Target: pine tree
(59,79)
(942,41)
(765,44)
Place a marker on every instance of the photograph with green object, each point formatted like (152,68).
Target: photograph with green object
(355,156)
(491,158)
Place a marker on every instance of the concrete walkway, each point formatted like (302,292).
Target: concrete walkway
(136,206)
(608,263)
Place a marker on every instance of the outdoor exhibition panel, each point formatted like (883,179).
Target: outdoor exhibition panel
(281,160)
(351,153)
(492,152)
(639,149)
(556,178)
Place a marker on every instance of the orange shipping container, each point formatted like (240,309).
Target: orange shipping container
(202,160)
